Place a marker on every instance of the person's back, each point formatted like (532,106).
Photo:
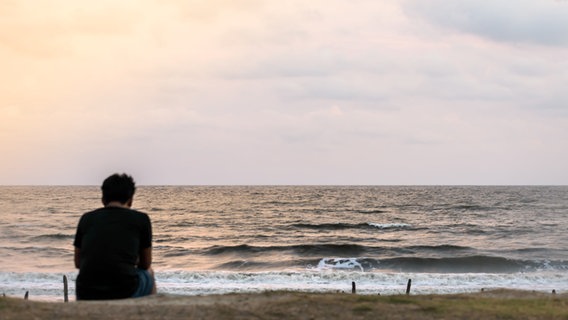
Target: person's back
(113,246)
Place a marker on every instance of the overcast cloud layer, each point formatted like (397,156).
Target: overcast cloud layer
(284,92)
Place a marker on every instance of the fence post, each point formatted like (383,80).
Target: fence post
(65,289)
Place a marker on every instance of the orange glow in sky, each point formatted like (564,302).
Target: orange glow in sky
(284,92)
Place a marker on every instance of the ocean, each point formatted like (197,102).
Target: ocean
(225,239)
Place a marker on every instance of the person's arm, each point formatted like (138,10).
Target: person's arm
(145,258)
(77,257)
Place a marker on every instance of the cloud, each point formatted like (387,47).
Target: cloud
(278,91)
(522,21)
(58,28)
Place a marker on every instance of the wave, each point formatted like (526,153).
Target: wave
(301,250)
(467,264)
(470,207)
(337,250)
(473,207)
(346,226)
(423,259)
(443,248)
(371,211)
(36,251)
(390,225)
(334,263)
(368,282)
(245,265)
(462,265)
(441,258)
(47,286)
(54,236)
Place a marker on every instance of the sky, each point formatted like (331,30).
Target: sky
(296,92)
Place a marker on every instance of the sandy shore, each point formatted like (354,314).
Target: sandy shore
(497,304)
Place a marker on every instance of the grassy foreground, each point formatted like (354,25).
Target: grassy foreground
(499,304)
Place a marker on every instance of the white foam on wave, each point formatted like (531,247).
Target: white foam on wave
(41,286)
(367,282)
(389,225)
(49,286)
(339,263)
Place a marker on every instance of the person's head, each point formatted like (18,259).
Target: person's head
(118,188)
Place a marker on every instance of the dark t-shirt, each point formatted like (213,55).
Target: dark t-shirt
(110,240)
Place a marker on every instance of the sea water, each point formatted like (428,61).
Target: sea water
(223,239)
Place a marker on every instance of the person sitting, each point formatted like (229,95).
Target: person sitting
(113,246)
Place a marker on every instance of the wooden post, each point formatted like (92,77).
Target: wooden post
(408,286)
(65,289)
(353,288)
(26,295)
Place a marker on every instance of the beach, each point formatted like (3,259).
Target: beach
(493,304)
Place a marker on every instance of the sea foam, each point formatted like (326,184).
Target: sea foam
(49,286)
(389,225)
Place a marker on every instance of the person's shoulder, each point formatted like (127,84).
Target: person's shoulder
(142,217)
(89,216)
(134,211)
(139,214)
(92,212)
